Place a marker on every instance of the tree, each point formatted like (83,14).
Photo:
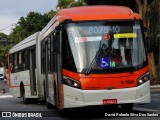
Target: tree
(2,35)
(51,14)
(64,3)
(78,3)
(145,8)
(70,3)
(29,25)
(129,3)
(4,47)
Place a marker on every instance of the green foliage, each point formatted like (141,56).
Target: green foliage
(18,34)
(154,18)
(51,14)
(64,3)
(78,3)
(2,35)
(70,3)
(29,25)
(3,48)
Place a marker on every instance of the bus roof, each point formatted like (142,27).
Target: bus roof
(29,41)
(104,12)
(90,13)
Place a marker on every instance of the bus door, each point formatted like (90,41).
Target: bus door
(46,70)
(32,71)
(58,64)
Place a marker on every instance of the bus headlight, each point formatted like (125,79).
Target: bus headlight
(143,79)
(71,82)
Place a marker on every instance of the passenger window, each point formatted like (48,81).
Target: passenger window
(49,55)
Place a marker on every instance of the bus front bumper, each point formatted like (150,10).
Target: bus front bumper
(80,98)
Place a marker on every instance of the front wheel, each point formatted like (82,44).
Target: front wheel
(49,105)
(62,112)
(127,108)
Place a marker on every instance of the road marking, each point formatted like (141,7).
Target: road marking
(5,96)
(144,109)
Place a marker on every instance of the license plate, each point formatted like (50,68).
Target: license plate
(109,101)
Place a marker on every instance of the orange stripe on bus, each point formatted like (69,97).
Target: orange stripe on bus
(62,89)
(107,81)
(18,86)
(61,105)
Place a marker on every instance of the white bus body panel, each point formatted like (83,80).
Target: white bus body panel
(40,91)
(16,78)
(51,89)
(79,98)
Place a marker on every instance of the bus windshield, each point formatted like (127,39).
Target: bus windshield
(109,46)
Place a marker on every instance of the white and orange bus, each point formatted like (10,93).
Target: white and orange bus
(92,55)
(22,69)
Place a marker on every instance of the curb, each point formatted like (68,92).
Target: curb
(3,94)
(155,86)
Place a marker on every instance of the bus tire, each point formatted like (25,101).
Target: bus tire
(21,91)
(25,100)
(55,97)
(44,88)
(49,105)
(62,112)
(127,108)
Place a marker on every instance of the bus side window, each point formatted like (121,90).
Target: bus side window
(56,49)
(42,56)
(52,60)
(13,68)
(11,62)
(15,63)
(23,60)
(20,61)
(27,60)
(49,54)
(35,56)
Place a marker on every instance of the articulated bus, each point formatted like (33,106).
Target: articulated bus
(22,69)
(88,56)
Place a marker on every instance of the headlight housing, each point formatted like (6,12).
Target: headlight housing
(143,79)
(71,82)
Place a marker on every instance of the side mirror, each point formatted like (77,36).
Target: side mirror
(149,44)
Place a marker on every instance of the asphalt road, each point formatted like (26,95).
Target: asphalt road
(15,105)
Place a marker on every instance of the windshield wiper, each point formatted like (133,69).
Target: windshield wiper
(94,60)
